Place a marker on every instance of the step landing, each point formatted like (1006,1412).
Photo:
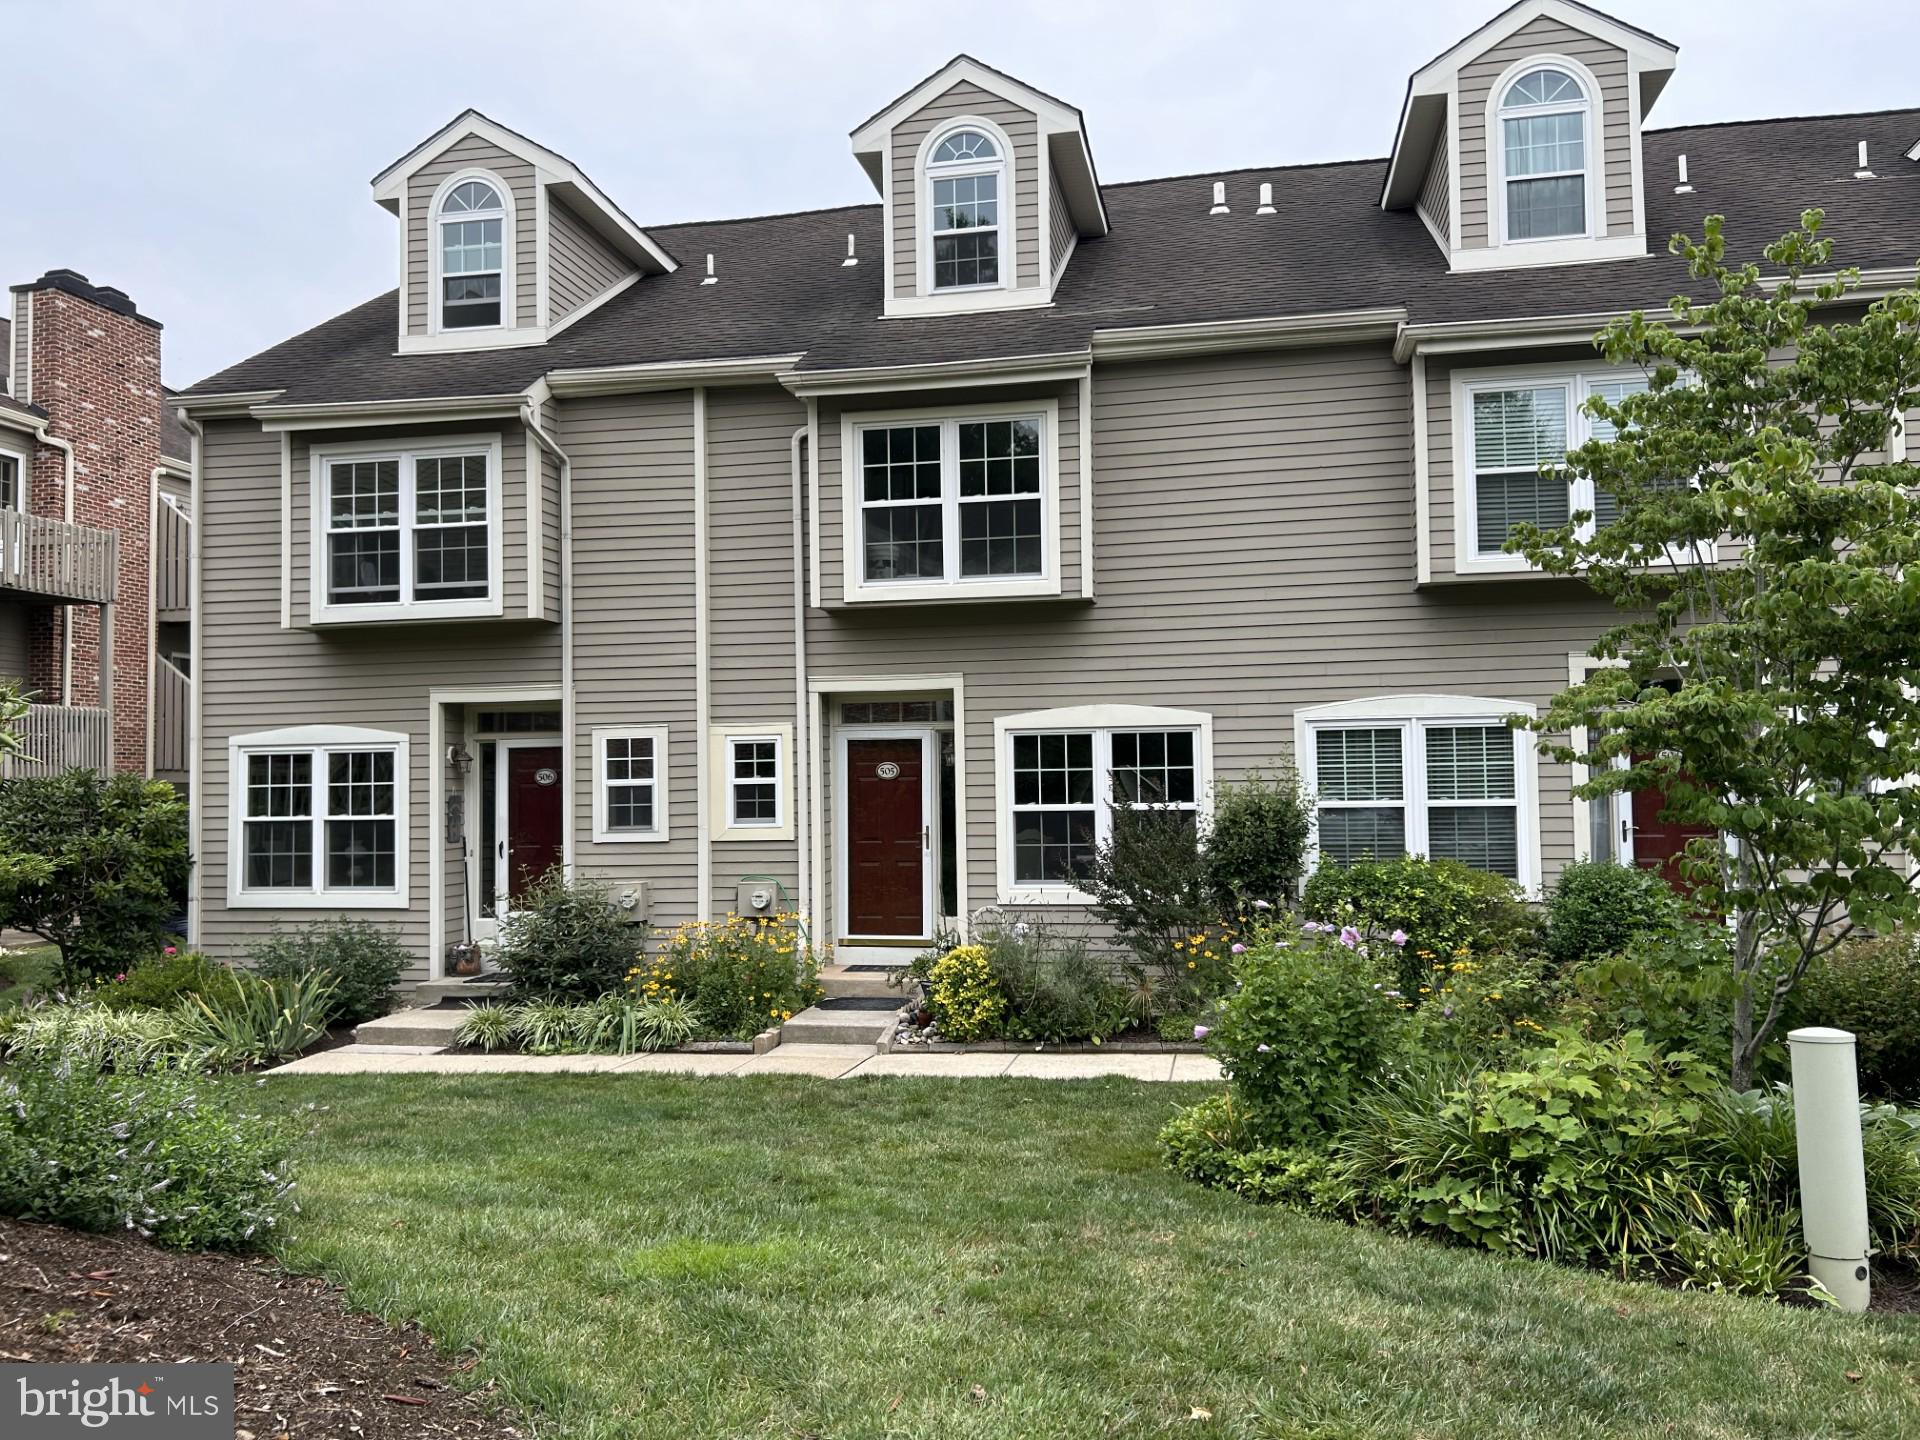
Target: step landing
(841,982)
(836,1023)
(412,1027)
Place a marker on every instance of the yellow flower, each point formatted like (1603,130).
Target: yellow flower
(1189,964)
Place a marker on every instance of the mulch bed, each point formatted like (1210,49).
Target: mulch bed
(306,1365)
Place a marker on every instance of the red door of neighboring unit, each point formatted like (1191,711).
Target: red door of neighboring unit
(533,816)
(886,838)
(1658,843)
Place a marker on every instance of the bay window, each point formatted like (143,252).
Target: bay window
(402,531)
(318,818)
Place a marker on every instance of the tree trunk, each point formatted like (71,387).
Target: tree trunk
(1746,963)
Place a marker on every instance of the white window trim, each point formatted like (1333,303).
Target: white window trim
(925,173)
(1411,713)
(23,476)
(1593,146)
(857,589)
(406,452)
(1102,720)
(436,258)
(1580,667)
(319,739)
(603,833)
(1579,381)
(721,741)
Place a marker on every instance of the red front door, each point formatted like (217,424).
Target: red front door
(533,816)
(886,838)
(1658,843)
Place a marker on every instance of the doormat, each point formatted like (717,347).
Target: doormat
(861,1002)
(880,968)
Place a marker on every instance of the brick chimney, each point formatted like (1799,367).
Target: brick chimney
(91,360)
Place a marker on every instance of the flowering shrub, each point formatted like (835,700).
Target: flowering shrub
(1056,987)
(159,1154)
(965,995)
(1309,1023)
(165,980)
(742,974)
(1470,1009)
(1445,904)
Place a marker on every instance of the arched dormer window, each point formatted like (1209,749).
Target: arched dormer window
(967,209)
(472,222)
(1544,147)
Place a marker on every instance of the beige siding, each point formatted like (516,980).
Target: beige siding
(14,618)
(1255,555)
(750,593)
(256,676)
(1542,37)
(550,597)
(1061,221)
(517,174)
(634,619)
(1021,128)
(1435,200)
(582,264)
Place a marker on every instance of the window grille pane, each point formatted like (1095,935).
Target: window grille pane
(469,246)
(630,807)
(1052,846)
(451,489)
(968,202)
(1540,209)
(363,494)
(363,567)
(966,259)
(902,463)
(1000,537)
(1546,144)
(279,855)
(1502,502)
(1153,767)
(1470,763)
(755,804)
(964,145)
(507,722)
(450,563)
(1543,87)
(999,457)
(1485,837)
(360,782)
(903,543)
(360,855)
(1370,833)
(1519,429)
(1359,764)
(280,786)
(630,758)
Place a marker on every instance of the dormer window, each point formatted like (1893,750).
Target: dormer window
(1543,140)
(966,180)
(472,221)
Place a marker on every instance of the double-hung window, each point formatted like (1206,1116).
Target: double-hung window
(957,503)
(407,531)
(1061,782)
(318,818)
(753,781)
(630,789)
(472,256)
(1450,786)
(1517,432)
(13,481)
(966,196)
(1543,148)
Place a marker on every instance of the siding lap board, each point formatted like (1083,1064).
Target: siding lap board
(581,264)
(1435,200)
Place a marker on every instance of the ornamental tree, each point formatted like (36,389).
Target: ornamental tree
(1765,560)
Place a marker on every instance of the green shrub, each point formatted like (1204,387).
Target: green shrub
(1597,909)
(264,1020)
(1871,987)
(487,1027)
(1474,1010)
(742,974)
(567,940)
(164,981)
(1150,882)
(91,1039)
(365,960)
(161,1154)
(1056,987)
(965,996)
(1675,986)
(1212,1142)
(94,867)
(613,1024)
(1445,908)
(1257,844)
(1310,1023)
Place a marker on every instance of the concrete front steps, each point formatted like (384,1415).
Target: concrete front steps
(843,983)
(843,1020)
(433,1027)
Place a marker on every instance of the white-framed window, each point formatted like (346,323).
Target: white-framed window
(470,229)
(750,785)
(1443,776)
(407,530)
(1545,121)
(629,783)
(968,203)
(1059,775)
(317,817)
(14,474)
(952,503)
(1515,428)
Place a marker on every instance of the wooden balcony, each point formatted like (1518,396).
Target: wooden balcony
(172,545)
(57,738)
(172,705)
(43,556)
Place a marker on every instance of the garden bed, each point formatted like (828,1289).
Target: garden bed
(305,1364)
(1119,1045)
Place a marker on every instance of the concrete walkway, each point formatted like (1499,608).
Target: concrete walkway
(828,1062)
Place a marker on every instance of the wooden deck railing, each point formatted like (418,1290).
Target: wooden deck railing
(172,703)
(172,542)
(51,557)
(56,738)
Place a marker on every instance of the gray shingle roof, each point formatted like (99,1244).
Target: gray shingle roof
(782,289)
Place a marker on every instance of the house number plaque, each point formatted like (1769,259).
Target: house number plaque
(887,770)
(546,775)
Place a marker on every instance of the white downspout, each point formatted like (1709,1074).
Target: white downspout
(153,608)
(702,699)
(529,417)
(802,749)
(196,796)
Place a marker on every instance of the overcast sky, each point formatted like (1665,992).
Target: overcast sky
(213,160)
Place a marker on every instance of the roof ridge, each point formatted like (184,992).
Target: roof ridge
(1784,120)
(751,219)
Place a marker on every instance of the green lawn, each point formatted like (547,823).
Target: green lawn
(29,969)
(793,1258)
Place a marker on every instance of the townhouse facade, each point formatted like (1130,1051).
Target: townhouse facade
(95,542)
(859,561)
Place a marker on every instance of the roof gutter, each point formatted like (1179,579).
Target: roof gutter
(228,406)
(346,414)
(939,375)
(1145,342)
(667,375)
